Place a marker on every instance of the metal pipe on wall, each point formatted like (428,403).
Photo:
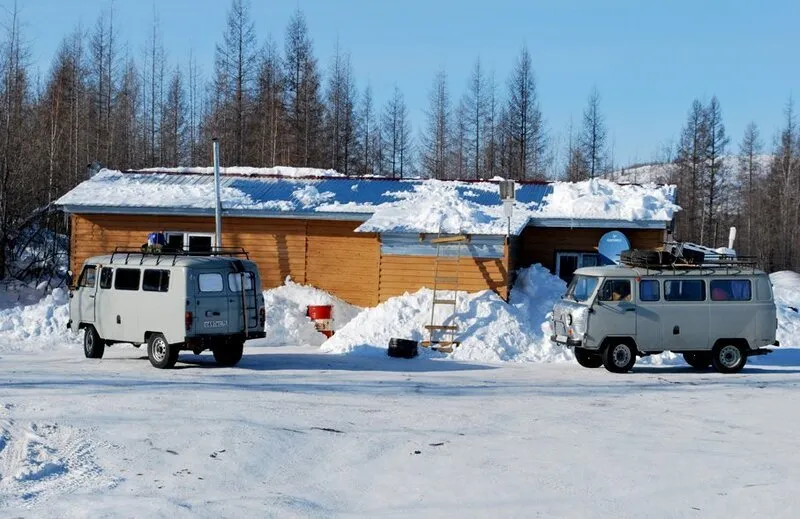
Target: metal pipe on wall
(218,205)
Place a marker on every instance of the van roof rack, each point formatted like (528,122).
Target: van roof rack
(734,263)
(175,253)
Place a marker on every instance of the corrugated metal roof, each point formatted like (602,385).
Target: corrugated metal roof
(327,197)
(344,190)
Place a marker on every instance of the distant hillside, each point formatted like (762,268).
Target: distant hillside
(662,172)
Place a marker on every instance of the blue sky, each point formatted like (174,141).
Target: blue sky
(648,59)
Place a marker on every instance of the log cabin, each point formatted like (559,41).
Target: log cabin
(320,229)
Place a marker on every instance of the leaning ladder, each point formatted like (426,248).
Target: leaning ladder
(442,332)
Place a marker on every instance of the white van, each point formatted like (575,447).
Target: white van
(712,315)
(172,302)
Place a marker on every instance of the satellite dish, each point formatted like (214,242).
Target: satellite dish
(611,246)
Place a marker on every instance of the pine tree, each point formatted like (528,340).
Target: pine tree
(593,138)
(436,142)
(750,174)
(691,170)
(305,110)
(270,109)
(716,177)
(525,128)
(475,104)
(236,65)
(397,134)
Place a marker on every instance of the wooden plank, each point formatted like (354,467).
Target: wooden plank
(450,239)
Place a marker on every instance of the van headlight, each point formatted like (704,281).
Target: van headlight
(569,319)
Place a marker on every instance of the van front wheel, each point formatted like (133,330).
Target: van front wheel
(162,354)
(619,357)
(229,354)
(588,359)
(93,345)
(728,358)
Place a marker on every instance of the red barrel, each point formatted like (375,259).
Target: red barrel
(322,315)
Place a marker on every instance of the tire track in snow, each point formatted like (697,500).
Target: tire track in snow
(40,461)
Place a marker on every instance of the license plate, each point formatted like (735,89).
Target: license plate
(215,324)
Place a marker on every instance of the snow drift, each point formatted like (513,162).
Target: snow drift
(286,320)
(786,287)
(490,329)
(44,321)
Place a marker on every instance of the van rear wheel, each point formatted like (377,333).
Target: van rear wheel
(699,360)
(229,354)
(162,354)
(588,359)
(93,345)
(728,358)
(619,357)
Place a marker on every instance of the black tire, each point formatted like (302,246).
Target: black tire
(588,359)
(619,356)
(162,354)
(698,360)
(402,348)
(93,345)
(728,358)
(229,354)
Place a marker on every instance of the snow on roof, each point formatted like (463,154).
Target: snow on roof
(276,171)
(384,205)
(601,199)
(440,206)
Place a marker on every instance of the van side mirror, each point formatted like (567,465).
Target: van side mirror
(70,280)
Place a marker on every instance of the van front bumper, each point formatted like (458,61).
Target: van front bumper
(567,341)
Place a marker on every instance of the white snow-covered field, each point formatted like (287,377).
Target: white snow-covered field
(292,432)
(298,431)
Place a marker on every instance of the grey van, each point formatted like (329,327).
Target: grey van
(712,315)
(171,302)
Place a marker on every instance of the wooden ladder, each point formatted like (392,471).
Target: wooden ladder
(442,334)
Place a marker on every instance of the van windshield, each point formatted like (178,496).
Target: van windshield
(581,288)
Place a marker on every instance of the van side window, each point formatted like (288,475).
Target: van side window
(155,280)
(235,282)
(211,282)
(763,288)
(649,290)
(106,274)
(88,276)
(731,290)
(616,290)
(685,290)
(127,279)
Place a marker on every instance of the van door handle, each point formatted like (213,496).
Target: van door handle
(210,313)
(119,320)
(630,309)
(676,330)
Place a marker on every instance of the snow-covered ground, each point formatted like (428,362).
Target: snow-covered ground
(295,431)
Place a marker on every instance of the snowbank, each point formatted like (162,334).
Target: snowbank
(786,287)
(602,199)
(43,322)
(437,206)
(490,329)
(287,323)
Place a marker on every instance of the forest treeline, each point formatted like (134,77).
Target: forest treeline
(274,103)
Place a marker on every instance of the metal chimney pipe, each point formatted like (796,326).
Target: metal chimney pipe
(218,208)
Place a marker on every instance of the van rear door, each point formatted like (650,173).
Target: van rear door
(212,316)
(238,300)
